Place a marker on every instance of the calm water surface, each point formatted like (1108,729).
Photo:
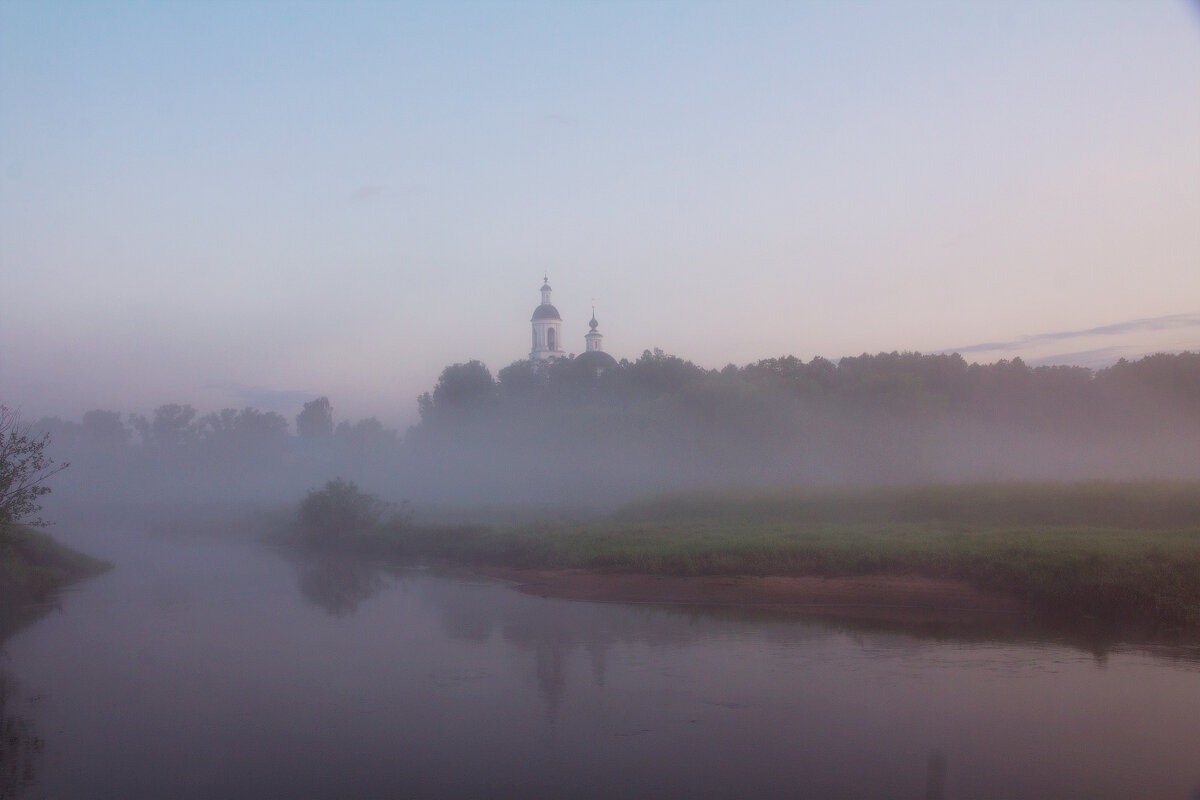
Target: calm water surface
(205,667)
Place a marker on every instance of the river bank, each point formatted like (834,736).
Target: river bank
(1103,552)
(33,566)
(883,598)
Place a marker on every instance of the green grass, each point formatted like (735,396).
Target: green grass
(1106,504)
(1113,552)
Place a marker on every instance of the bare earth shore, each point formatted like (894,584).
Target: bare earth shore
(874,597)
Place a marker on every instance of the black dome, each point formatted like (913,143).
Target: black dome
(595,360)
(546,311)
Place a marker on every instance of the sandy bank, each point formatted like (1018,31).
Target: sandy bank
(882,597)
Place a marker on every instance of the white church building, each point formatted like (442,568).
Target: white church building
(546,323)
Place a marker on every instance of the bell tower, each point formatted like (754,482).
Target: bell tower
(547,328)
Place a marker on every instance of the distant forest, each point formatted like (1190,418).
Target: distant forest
(560,434)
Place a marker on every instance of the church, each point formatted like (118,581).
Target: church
(548,342)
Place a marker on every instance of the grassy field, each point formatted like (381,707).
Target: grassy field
(1113,552)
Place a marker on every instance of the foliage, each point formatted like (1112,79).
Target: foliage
(231,435)
(886,386)
(315,420)
(24,469)
(171,430)
(461,389)
(104,428)
(550,429)
(520,379)
(338,509)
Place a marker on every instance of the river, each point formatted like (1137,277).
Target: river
(210,666)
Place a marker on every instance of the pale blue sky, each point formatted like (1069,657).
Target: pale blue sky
(229,202)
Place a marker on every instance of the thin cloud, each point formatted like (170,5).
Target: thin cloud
(1170,322)
(1092,359)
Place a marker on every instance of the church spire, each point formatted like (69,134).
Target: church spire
(593,337)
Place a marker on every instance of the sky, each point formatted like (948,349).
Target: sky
(257,203)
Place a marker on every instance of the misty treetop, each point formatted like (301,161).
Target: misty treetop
(564,431)
(898,384)
(315,420)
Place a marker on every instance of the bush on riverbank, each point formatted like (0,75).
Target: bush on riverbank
(341,511)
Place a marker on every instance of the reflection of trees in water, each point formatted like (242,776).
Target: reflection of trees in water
(339,585)
(552,630)
(19,744)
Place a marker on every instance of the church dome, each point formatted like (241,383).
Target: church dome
(546,311)
(596,360)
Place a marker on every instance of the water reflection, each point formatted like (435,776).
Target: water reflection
(338,585)
(331,677)
(935,784)
(550,631)
(20,744)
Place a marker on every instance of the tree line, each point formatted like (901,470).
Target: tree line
(896,384)
(661,421)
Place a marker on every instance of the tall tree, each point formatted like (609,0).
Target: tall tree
(461,389)
(315,421)
(105,428)
(172,428)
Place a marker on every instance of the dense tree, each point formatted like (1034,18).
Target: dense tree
(233,435)
(171,429)
(315,421)
(461,389)
(24,470)
(655,372)
(553,429)
(339,508)
(105,428)
(520,379)
(367,437)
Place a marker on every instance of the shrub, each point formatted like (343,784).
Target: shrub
(339,509)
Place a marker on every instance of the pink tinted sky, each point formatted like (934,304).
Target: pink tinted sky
(256,203)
